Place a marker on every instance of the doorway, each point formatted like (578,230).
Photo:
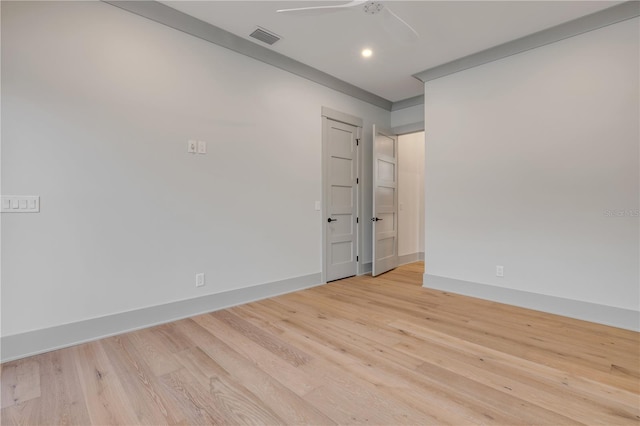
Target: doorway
(398,199)
(347,245)
(411,197)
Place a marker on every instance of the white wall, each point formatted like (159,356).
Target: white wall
(411,193)
(524,158)
(97,106)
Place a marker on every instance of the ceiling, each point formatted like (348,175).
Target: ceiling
(332,42)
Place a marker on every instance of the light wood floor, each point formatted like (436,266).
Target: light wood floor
(361,350)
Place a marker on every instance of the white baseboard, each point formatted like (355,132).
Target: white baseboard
(410,258)
(44,340)
(601,314)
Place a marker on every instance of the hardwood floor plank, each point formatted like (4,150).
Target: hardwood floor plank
(104,394)
(240,405)
(400,380)
(501,337)
(61,400)
(380,365)
(143,390)
(20,382)
(380,350)
(26,413)
(155,352)
(268,341)
(171,338)
(498,401)
(226,401)
(526,379)
(191,399)
(348,400)
(286,404)
(274,365)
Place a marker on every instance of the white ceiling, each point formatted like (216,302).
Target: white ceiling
(332,42)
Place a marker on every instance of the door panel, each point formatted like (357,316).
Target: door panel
(341,200)
(342,252)
(386,170)
(385,196)
(343,225)
(385,201)
(386,248)
(341,168)
(387,222)
(387,147)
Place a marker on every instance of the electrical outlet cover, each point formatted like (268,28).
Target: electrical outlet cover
(199,280)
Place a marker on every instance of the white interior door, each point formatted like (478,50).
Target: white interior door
(341,199)
(385,201)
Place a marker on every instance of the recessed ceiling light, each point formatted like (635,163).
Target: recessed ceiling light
(366,53)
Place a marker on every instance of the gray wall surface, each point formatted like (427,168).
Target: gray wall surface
(532,163)
(97,108)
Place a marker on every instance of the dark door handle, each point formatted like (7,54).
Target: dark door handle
(332,220)
(375,219)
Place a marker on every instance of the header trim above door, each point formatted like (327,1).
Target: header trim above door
(341,117)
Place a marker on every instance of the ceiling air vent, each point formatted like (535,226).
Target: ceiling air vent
(264,36)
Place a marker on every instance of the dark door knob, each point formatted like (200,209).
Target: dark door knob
(375,219)
(332,220)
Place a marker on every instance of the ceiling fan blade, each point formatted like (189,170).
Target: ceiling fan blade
(319,10)
(397,27)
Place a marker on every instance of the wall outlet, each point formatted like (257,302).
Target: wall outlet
(199,280)
(499,271)
(192,146)
(202,147)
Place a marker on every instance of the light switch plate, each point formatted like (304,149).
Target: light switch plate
(20,203)
(192,146)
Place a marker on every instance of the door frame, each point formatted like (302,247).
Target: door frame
(331,114)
